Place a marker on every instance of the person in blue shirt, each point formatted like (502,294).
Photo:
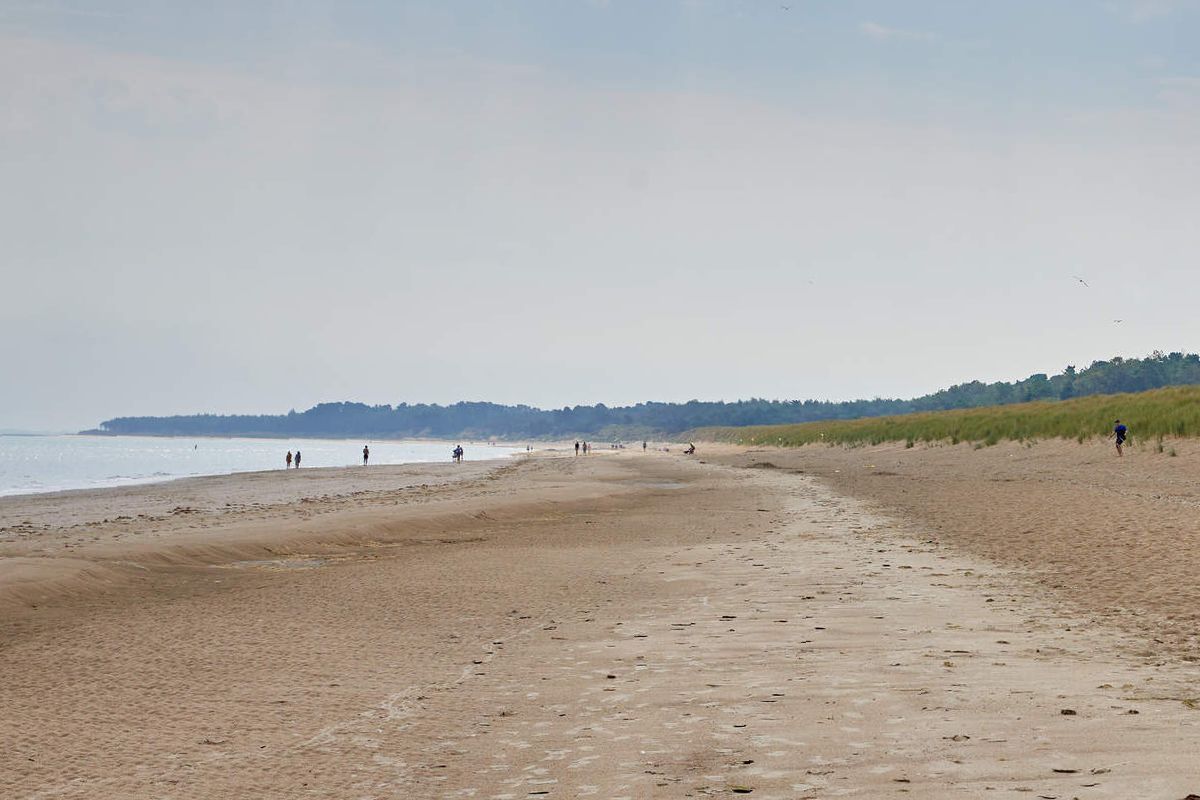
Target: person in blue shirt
(1120,432)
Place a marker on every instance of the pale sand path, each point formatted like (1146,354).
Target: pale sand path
(761,633)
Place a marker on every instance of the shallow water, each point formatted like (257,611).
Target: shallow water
(32,464)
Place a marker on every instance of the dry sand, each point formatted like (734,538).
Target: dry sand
(619,625)
(1118,537)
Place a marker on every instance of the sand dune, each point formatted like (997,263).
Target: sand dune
(622,625)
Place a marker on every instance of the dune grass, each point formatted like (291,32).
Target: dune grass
(1172,412)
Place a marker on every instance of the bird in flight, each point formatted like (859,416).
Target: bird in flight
(1118,321)
(786,8)
(1081,280)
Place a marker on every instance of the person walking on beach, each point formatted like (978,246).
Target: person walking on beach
(576,448)
(297,459)
(1119,433)
(366,454)
(289,460)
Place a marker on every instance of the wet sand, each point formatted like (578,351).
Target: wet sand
(619,625)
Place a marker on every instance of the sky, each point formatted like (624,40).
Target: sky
(253,207)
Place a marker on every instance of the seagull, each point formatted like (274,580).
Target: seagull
(786,8)
(1081,280)
(1118,321)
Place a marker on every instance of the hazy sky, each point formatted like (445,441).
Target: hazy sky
(232,206)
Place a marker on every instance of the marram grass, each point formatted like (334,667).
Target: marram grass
(1172,412)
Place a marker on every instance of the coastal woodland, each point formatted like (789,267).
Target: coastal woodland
(490,420)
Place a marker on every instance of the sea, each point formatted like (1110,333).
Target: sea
(31,464)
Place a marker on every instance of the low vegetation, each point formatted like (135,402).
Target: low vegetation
(1151,416)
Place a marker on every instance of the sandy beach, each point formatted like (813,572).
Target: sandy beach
(823,622)
(1117,537)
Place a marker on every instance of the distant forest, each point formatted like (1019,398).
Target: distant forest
(474,420)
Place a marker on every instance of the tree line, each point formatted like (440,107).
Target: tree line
(490,420)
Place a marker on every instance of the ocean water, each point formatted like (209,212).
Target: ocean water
(31,464)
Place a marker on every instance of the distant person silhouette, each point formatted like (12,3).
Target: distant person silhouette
(643,447)
(1119,433)
(577,448)
(289,460)
(297,459)
(366,454)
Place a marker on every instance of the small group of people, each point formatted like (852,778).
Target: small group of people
(585,448)
(457,452)
(294,460)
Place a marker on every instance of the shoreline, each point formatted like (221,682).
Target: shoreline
(118,481)
(266,437)
(132,483)
(64,509)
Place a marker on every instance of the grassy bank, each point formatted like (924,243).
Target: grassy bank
(1173,412)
